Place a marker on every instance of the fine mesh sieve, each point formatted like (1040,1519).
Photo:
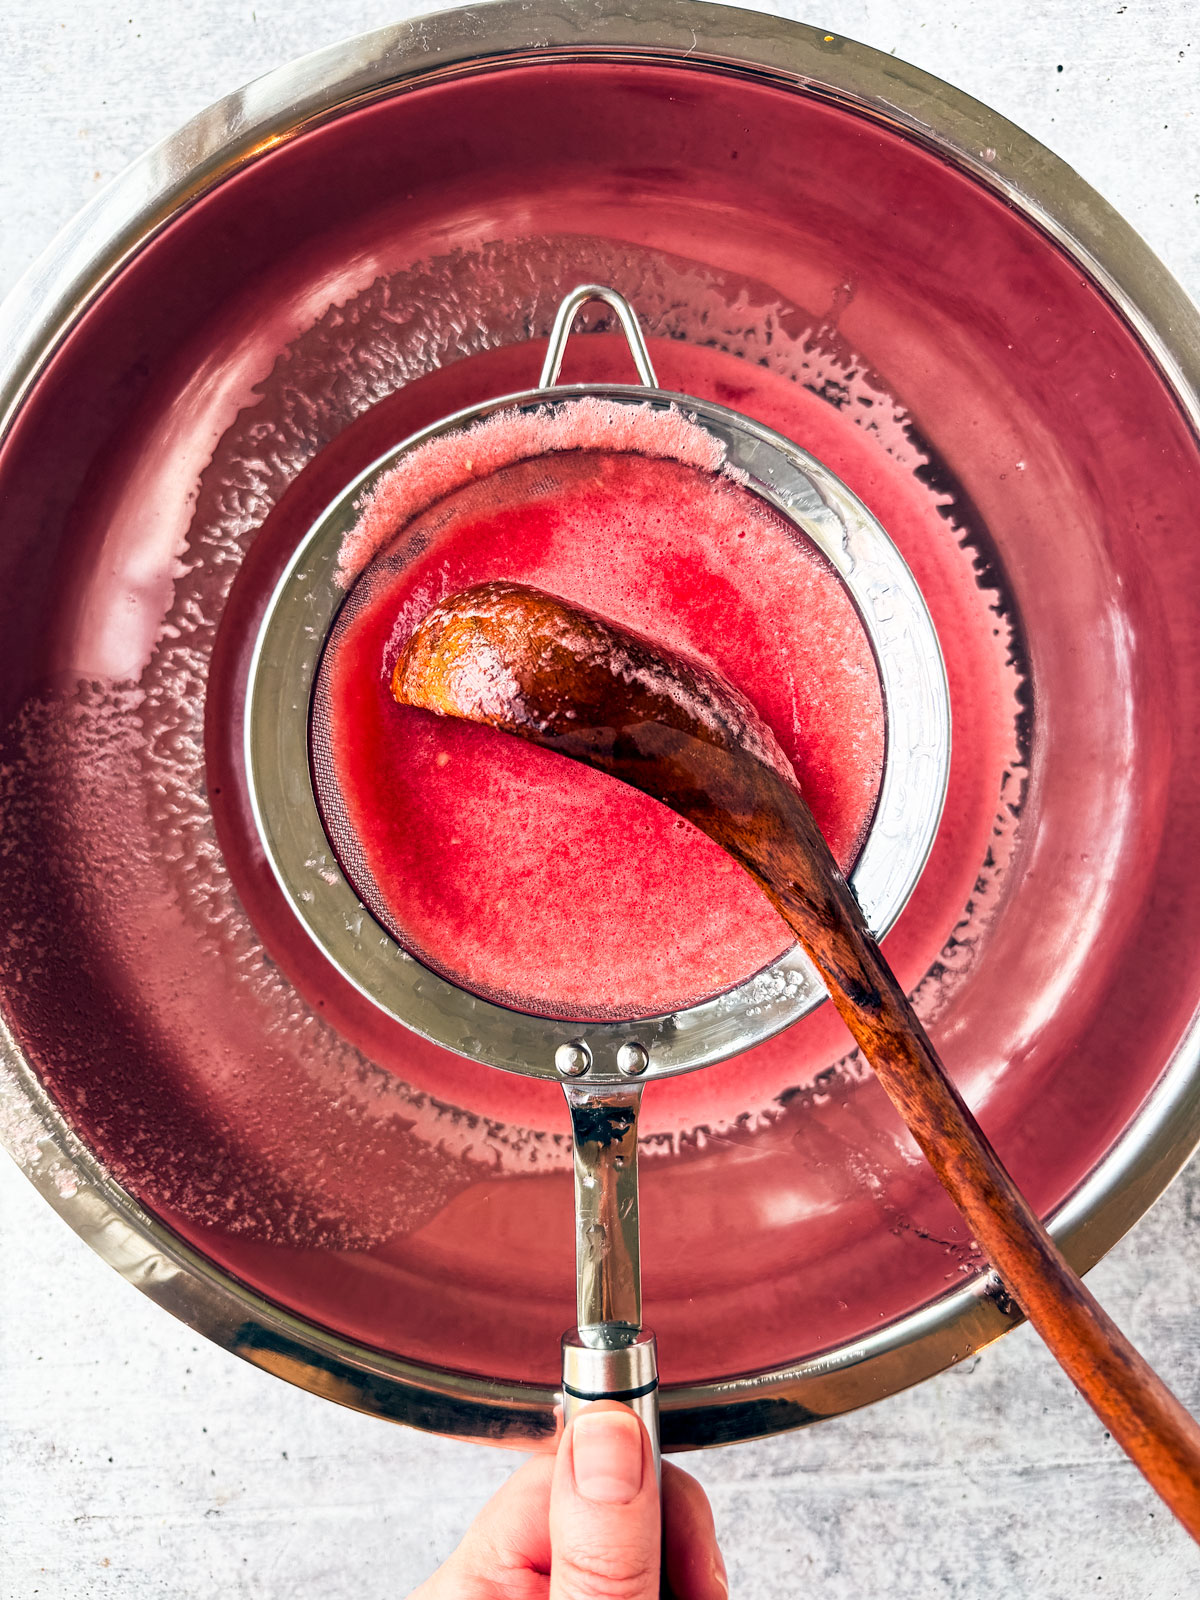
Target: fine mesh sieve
(475,460)
(309,603)
(453,917)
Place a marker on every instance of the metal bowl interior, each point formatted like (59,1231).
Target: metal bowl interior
(354,1207)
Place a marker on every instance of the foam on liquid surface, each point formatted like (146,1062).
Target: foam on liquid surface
(531,879)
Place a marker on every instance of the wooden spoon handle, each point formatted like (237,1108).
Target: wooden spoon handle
(1134,1404)
(517,659)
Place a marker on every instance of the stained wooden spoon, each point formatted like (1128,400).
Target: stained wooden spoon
(520,660)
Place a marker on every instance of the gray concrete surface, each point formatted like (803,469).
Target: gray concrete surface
(136,1461)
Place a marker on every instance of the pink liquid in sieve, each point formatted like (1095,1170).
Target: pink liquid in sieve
(532,880)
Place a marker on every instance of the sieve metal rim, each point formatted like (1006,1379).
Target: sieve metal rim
(283,668)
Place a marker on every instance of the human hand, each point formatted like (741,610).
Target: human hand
(584,1523)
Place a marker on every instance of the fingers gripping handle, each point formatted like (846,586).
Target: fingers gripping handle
(627,1372)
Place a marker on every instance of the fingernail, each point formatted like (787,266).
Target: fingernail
(606,1454)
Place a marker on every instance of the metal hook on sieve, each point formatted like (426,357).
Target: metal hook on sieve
(564,322)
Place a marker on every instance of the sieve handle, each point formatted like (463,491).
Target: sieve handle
(608,1273)
(564,321)
(608,1355)
(626,1371)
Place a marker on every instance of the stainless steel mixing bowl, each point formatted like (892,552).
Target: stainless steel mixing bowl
(312,270)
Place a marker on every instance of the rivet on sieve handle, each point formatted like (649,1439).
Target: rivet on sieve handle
(632,1059)
(573,1059)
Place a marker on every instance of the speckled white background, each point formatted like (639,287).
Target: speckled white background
(136,1461)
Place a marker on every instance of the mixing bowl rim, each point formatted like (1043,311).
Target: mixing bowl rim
(694,36)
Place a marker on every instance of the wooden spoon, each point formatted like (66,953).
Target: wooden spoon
(520,660)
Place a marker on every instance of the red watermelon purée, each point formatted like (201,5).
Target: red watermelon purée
(528,878)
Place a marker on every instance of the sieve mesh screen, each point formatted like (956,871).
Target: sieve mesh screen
(523,932)
(482,497)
